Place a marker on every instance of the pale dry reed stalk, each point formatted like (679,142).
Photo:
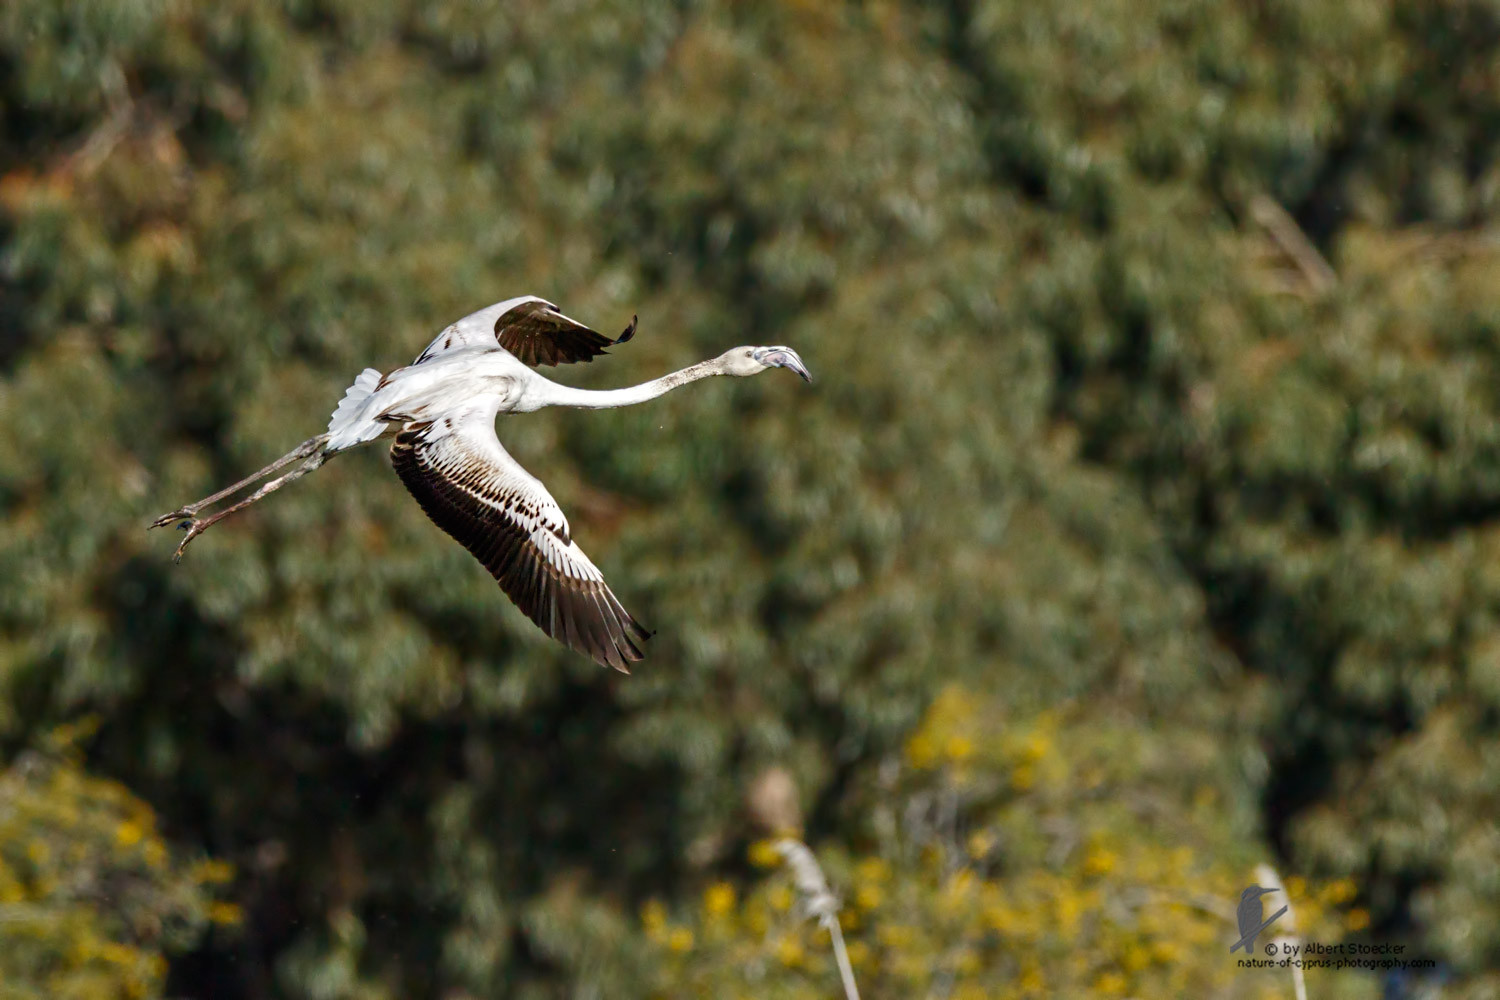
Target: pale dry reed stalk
(1267,876)
(816,900)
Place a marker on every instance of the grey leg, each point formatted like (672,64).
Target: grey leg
(190,511)
(195,527)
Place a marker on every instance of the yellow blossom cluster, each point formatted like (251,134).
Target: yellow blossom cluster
(1039,871)
(91,897)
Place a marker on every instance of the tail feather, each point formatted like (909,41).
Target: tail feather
(347,428)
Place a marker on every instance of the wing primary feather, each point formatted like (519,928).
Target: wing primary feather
(612,635)
(610,609)
(569,619)
(598,638)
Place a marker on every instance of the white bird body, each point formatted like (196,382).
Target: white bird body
(463,377)
(444,405)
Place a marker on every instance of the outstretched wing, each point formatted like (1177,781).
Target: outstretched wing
(471,488)
(532,329)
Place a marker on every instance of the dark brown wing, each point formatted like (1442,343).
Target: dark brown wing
(538,334)
(471,488)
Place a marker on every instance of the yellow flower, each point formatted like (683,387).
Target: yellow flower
(225,913)
(1110,984)
(756,921)
(1069,908)
(1099,861)
(981,843)
(718,899)
(859,953)
(920,753)
(999,917)
(959,888)
(1022,778)
(653,915)
(1165,952)
(1339,891)
(211,871)
(1357,919)
(868,897)
(789,952)
(780,898)
(116,953)
(959,748)
(763,854)
(680,939)
(129,833)
(915,967)
(872,870)
(1198,932)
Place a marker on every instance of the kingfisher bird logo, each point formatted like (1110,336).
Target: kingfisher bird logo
(1248,915)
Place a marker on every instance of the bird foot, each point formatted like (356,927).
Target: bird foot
(180,514)
(193,528)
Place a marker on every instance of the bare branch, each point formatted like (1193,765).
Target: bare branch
(1316,271)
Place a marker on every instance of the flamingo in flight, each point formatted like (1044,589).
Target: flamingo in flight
(443,408)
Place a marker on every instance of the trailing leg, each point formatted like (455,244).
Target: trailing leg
(195,527)
(190,511)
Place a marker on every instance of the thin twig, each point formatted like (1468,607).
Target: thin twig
(1316,271)
(101,142)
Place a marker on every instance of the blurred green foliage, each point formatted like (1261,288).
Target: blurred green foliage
(1156,347)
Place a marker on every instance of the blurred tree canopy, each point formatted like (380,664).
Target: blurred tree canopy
(1157,347)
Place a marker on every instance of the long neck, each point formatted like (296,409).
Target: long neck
(553,394)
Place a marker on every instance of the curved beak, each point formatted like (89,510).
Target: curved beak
(785,357)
